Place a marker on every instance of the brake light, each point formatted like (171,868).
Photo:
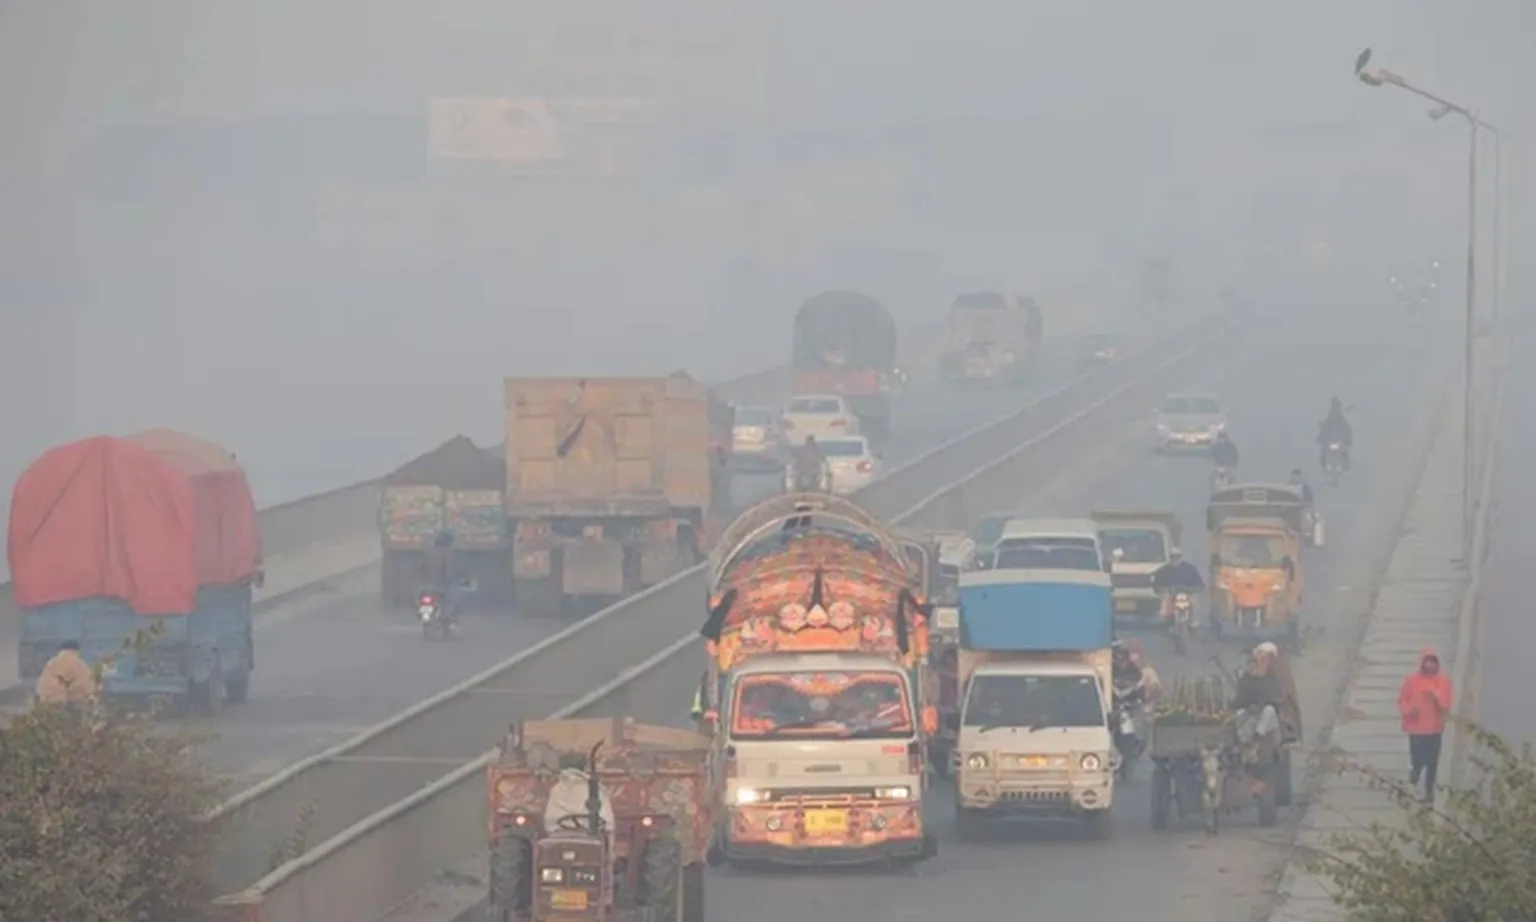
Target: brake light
(865,467)
(426,600)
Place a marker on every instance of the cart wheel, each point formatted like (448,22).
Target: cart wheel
(1283,792)
(1162,797)
(1269,810)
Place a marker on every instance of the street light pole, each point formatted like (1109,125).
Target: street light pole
(1378,76)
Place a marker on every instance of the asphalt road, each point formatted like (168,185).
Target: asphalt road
(1508,629)
(334,665)
(1277,390)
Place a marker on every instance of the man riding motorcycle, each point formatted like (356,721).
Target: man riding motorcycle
(1299,481)
(810,467)
(1135,683)
(1177,575)
(1224,451)
(1334,430)
(439,574)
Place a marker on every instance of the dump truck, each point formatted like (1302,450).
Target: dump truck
(598,820)
(845,344)
(612,484)
(455,488)
(989,340)
(815,688)
(112,537)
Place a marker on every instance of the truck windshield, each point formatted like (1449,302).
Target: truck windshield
(822,705)
(1251,550)
(1034,701)
(947,590)
(1138,545)
(1047,553)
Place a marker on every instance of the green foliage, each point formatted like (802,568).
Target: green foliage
(1471,858)
(103,818)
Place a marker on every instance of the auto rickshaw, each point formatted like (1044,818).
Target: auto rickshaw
(1256,579)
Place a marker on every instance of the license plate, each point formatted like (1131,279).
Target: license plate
(568,900)
(826,822)
(1034,761)
(1125,605)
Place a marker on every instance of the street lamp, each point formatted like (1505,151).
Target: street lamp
(1380,76)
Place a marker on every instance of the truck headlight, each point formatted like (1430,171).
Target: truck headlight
(1090,763)
(946,619)
(750,796)
(976,761)
(896,793)
(551,875)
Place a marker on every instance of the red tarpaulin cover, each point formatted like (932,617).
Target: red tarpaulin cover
(147,519)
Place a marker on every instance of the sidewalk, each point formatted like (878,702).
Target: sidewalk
(1419,605)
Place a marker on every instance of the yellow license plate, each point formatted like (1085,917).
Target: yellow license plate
(568,900)
(1034,761)
(1125,605)
(826,822)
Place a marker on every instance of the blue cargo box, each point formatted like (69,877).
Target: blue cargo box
(1024,610)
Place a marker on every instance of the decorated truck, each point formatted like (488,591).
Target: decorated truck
(815,690)
(149,537)
(598,820)
(845,344)
(455,488)
(612,484)
(1034,656)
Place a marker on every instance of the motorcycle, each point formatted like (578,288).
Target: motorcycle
(1181,620)
(1333,461)
(432,609)
(1127,732)
(1221,478)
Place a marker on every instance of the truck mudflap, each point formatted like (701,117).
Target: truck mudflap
(815,836)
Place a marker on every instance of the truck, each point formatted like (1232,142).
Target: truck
(990,340)
(845,344)
(1034,656)
(815,690)
(455,488)
(612,484)
(1138,542)
(144,550)
(597,820)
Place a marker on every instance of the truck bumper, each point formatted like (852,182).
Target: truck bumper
(1089,795)
(805,856)
(871,834)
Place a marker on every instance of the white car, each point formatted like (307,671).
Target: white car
(1189,422)
(825,416)
(852,465)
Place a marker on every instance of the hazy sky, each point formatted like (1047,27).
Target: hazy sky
(230,283)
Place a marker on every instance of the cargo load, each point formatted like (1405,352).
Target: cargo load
(110,535)
(845,344)
(612,484)
(457,488)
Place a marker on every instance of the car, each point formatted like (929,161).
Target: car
(756,438)
(1100,349)
(1047,544)
(989,530)
(852,463)
(1189,422)
(825,416)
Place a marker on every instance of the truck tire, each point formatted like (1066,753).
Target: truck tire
(540,598)
(511,886)
(1100,825)
(662,873)
(208,696)
(1162,797)
(693,893)
(969,824)
(238,687)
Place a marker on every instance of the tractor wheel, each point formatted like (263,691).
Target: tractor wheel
(662,871)
(511,883)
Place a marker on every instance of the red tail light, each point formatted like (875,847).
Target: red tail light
(914,758)
(426,600)
(836,423)
(865,467)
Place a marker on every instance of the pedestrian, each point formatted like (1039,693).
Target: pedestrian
(1424,703)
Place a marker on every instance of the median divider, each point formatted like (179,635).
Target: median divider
(383,806)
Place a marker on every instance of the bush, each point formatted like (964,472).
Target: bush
(102,820)
(1470,858)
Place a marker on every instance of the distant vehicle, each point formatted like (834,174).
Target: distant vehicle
(1189,421)
(989,340)
(1101,349)
(757,438)
(1047,544)
(825,416)
(845,344)
(852,463)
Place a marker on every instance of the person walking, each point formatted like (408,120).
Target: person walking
(1424,703)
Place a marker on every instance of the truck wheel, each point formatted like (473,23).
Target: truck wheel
(208,696)
(1162,798)
(662,873)
(238,687)
(540,598)
(969,824)
(1100,824)
(511,887)
(693,893)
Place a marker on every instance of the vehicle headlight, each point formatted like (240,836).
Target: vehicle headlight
(1090,763)
(896,793)
(750,796)
(976,760)
(1278,585)
(946,618)
(551,875)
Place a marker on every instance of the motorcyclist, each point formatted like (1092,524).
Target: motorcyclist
(1259,685)
(1224,451)
(1177,575)
(1299,481)
(438,571)
(1129,676)
(1333,430)
(809,466)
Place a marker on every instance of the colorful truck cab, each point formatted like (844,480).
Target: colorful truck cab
(815,691)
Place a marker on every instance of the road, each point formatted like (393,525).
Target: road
(1508,630)
(1181,875)
(335,664)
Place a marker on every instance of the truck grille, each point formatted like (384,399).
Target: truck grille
(1035,796)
